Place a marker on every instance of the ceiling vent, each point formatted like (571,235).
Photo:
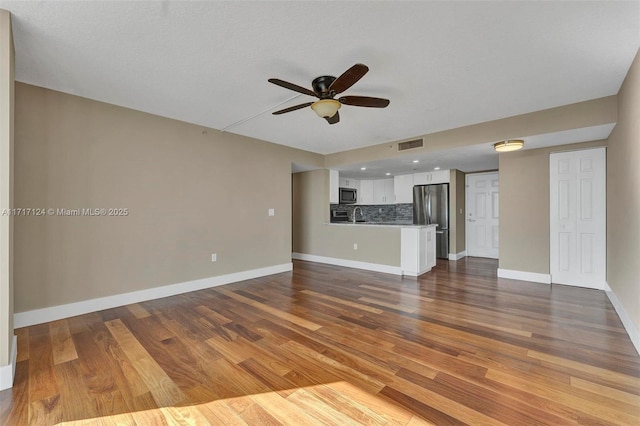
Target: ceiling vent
(416,143)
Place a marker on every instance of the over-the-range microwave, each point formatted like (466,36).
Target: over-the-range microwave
(348,195)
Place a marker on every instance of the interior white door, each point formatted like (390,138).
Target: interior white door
(577,208)
(482,203)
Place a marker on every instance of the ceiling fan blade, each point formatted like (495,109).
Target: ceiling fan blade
(293,108)
(292,86)
(349,78)
(364,101)
(333,120)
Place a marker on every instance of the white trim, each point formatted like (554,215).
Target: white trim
(457,256)
(8,372)
(416,274)
(38,316)
(376,267)
(524,276)
(629,326)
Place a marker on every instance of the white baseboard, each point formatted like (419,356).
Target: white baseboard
(629,325)
(413,274)
(8,372)
(39,316)
(376,267)
(457,256)
(524,276)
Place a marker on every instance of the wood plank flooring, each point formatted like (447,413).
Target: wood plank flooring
(337,346)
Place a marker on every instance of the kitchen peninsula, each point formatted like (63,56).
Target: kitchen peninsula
(417,245)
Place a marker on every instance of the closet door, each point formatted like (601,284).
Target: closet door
(578,218)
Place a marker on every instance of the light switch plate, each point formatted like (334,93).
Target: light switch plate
(272,212)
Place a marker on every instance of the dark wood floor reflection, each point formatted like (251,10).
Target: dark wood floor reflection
(332,345)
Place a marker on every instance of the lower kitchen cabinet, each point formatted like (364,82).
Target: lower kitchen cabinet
(417,249)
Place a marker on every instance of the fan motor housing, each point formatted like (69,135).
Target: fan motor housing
(321,86)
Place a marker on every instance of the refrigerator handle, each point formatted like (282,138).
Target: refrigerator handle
(429,207)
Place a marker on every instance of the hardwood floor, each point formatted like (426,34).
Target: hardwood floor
(332,345)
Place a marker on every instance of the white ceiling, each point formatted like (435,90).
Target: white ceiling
(442,64)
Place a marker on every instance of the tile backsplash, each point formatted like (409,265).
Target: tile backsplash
(392,213)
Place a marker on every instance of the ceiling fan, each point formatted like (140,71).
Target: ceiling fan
(326,87)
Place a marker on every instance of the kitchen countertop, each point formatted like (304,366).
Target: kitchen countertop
(379,224)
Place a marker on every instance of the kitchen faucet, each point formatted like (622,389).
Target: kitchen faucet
(354,213)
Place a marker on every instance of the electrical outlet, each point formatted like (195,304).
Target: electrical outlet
(355,246)
(272,212)
(214,257)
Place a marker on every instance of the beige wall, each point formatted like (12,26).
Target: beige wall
(6,185)
(458,193)
(583,114)
(623,197)
(380,245)
(524,207)
(190,192)
(456,220)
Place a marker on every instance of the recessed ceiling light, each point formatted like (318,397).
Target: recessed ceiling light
(363,168)
(416,161)
(387,174)
(436,168)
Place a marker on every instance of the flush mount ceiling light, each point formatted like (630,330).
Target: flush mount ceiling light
(326,108)
(510,145)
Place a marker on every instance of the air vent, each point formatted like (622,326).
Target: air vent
(416,143)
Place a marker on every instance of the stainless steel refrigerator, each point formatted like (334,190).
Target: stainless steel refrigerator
(431,206)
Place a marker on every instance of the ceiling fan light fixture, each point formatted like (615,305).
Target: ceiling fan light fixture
(326,107)
(508,146)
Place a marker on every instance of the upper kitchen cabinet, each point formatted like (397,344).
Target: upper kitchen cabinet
(365,194)
(428,178)
(378,191)
(383,191)
(403,188)
(349,183)
(333,187)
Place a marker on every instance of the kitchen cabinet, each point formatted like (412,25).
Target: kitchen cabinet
(333,187)
(376,191)
(403,188)
(349,183)
(365,194)
(417,249)
(428,178)
(383,191)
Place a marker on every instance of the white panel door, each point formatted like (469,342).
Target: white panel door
(482,202)
(578,218)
